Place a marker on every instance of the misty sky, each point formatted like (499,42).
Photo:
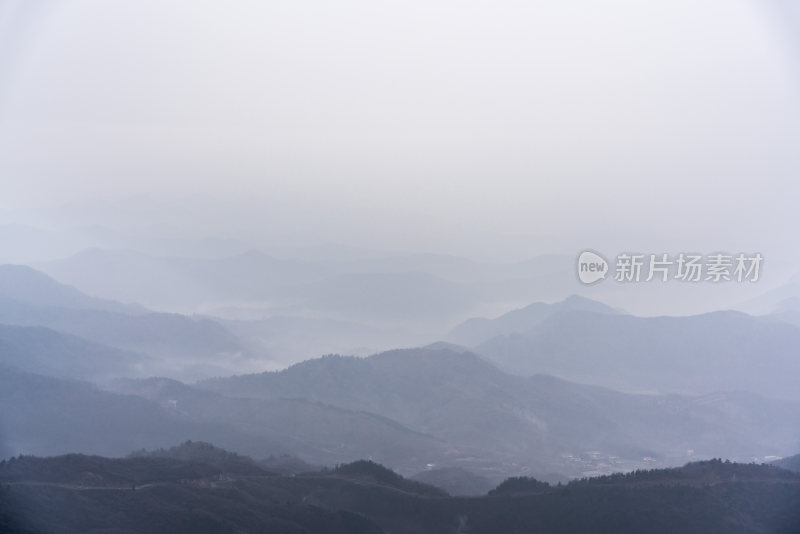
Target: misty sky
(437,124)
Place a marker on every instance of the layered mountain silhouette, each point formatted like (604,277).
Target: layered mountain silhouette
(409,409)
(586,341)
(416,288)
(45,351)
(478,330)
(792,463)
(716,351)
(73,335)
(543,422)
(25,285)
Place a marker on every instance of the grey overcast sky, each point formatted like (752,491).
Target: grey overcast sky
(413,121)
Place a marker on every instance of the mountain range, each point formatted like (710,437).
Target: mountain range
(542,422)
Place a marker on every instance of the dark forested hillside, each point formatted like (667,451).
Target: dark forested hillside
(163,493)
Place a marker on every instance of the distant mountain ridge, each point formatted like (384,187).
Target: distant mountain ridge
(792,463)
(27,285)
(137,342)
(717,351)
(455,480)
(478,330)
(415,288)
(45,351)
